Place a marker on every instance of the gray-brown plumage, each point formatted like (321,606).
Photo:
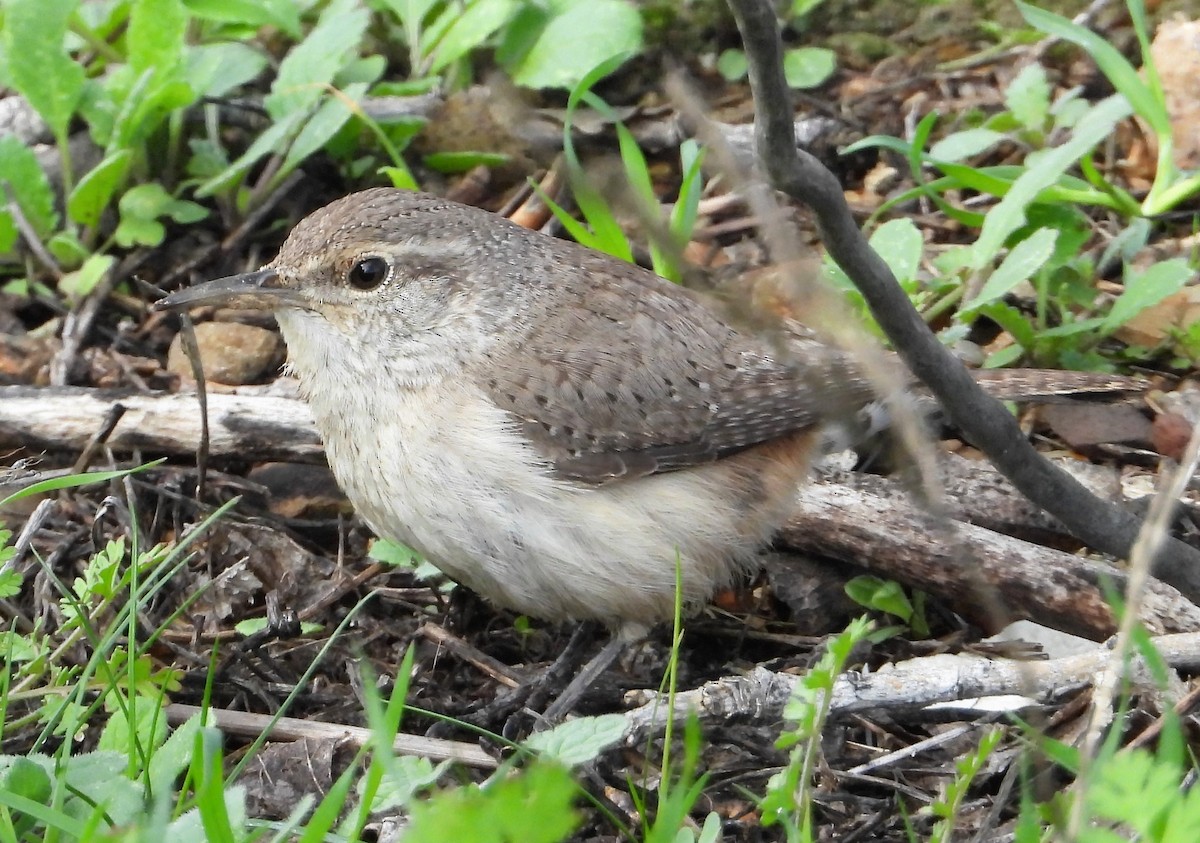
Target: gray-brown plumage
(551,426)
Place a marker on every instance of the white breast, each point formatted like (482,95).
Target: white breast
(439,467)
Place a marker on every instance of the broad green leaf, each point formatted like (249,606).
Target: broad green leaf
(404,776)
(1028,97)
(808,67)
(22,776)
(284,14)
(150,726)
(68,249)
(399,177)
(41,69)
(580,740)
(532,806)
(732,64)
(271,140)
(1146,289)
(30,187)
(309,68)
(965,144)
(323,125)
(578,40)
(1011,320)
(470,29)
(173,757)
(1026,258)
(1009,214)
(91,196)
(366,70)
(900,244)
(155,37)
(13,646)
(216,69)
(881,595)
(461,162)
(145,101)
(393,553)
(75,285)
(142,206)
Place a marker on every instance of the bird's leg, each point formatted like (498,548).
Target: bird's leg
(532,693)
(583,680)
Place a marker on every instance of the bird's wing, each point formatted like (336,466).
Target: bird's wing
(635,376)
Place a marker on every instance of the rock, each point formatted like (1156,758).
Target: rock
(230,353)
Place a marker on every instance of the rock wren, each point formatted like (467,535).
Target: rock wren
(552,427)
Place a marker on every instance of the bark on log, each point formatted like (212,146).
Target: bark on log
(990,578)
(260,427)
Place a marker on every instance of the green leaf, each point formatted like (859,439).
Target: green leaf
(881,595)
(75,285)
(70,481)
(271,140)
(150,726)
(309,68)
(470,29)
(808,67)
(403,777)
(461,162)
(1146,289)
(580,740)
(1123,76)
(1026,258)
(41,69)
(173,757)
(732,64)
(399,177)
(330,116)
(25,778)
(393,553)
(1009,214)
(10,586)
(216,69)
(93,192)
(584,36)
(143,205)
(965,144)
(900,244)
(410,13)
(29,186)
(155,36)
(532,806)
(284,14)
(1028,97)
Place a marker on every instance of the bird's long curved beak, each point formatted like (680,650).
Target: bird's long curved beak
(259,290)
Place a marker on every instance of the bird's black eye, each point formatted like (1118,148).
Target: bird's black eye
(368,273)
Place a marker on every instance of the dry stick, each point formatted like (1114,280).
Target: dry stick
(111,418)
(293,729)
(985,422)
(906,687)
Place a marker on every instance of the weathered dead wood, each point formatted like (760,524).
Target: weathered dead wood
(979,494)
(905,687)
(990,578)
(260,427)
(250,725)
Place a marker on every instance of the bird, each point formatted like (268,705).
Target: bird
(557,429)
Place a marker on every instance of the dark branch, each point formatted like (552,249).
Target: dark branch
(984,421)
